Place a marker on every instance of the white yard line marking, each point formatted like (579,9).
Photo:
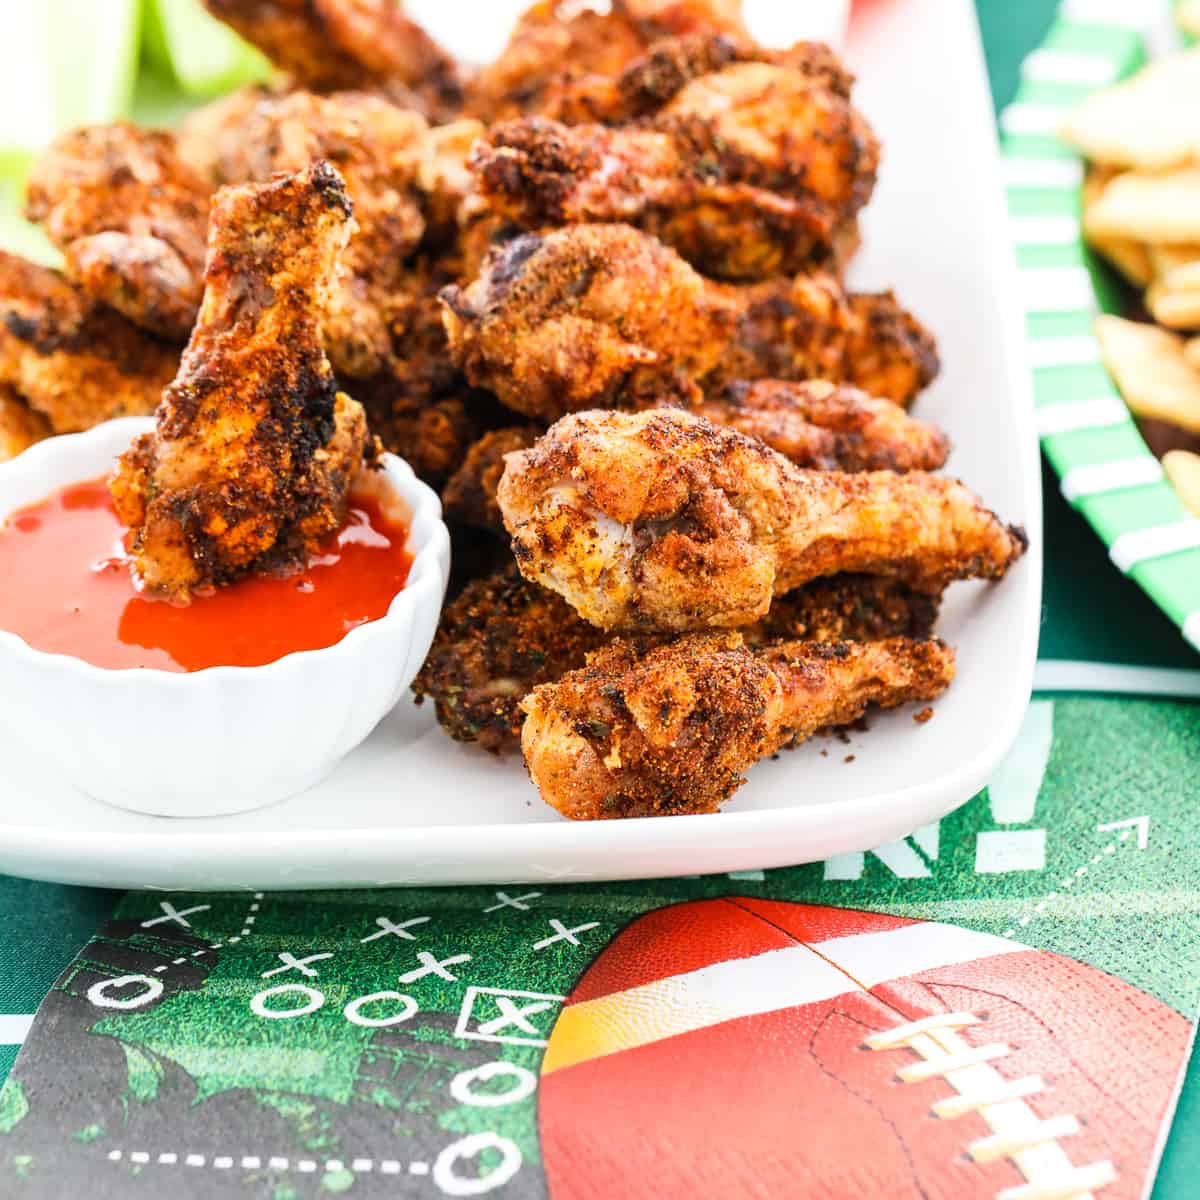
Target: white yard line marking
(1036,120)
(1140,545)
(1057,289)
(1068,350)
(14,1028)
(1127,828)
(1060,174)
(1047,65)
(1060,229)
(1069,675)
(1097,478)
(1072,415)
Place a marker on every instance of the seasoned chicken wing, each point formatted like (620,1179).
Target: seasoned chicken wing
(826,426)
(592,315)
(20,425)
(130,218)
(503,636)
(378,148)
(663,521)
(670,730)
(332,45)
(563,60)
(470,493)
(819,425)
(74,361)
(747,172)
(255,448)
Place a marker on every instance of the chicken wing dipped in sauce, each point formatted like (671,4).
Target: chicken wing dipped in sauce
(255,448)
(71,359)
(336,45)
(748,172)
(598,315)
(661,521)
(673,729)
(503,636)
(818,425)
(130,217)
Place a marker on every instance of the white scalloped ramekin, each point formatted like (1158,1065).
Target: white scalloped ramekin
(226,739)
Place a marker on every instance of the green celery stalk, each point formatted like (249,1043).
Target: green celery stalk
(206,56)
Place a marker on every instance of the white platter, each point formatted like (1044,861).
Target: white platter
(412,807)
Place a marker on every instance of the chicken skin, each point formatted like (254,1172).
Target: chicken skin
(335,45)
(818,425)
(661,521)
(255,448)
(502,636)
(598,315)
(673,729)
(74,361)
(130,217)
(748,172)
(563,60)
(377,148)
(20,425)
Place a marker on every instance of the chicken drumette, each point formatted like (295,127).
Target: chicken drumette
(71,359)
(332,45)
(502,636)
(592,315)
(130,218)
(564,60)
(671,730)
(255,448)
(748,172)
(818,425)
(663,521)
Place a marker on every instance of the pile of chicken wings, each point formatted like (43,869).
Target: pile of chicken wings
(593,292)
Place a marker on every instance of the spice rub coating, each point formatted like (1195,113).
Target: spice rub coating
(662,521)
(673,729)
(255,449)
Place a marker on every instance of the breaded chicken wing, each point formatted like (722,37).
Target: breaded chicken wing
(826,426)
(377,148)
(747,172)
(663,521)
(818,425)
(255,448)
(20,425)
(673,729)
(503,636)
(562,60)
(470,493)
(74,361)
(130,218)
(333,45)
(591,315)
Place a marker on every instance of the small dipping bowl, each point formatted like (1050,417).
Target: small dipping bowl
(224,739)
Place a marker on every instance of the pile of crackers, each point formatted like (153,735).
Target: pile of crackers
(1141,211)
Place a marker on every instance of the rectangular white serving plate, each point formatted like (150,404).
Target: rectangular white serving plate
(412,807)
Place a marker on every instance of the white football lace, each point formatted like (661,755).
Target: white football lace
(1018,1133)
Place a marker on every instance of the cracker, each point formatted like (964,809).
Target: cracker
(1187,16)
(1149,207)
(1150,121)
(1167,257)
(1177,309)
(1131,258)
(1191,351)
(1151,370)
(1183,470)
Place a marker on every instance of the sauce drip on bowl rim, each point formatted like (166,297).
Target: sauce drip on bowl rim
(66,588)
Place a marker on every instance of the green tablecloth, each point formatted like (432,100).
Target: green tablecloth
(44,925)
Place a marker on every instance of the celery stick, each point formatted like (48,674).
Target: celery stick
(207,56)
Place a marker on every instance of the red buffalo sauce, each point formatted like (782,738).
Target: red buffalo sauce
(65,587)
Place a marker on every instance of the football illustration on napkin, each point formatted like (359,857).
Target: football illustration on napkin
(743,1047)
